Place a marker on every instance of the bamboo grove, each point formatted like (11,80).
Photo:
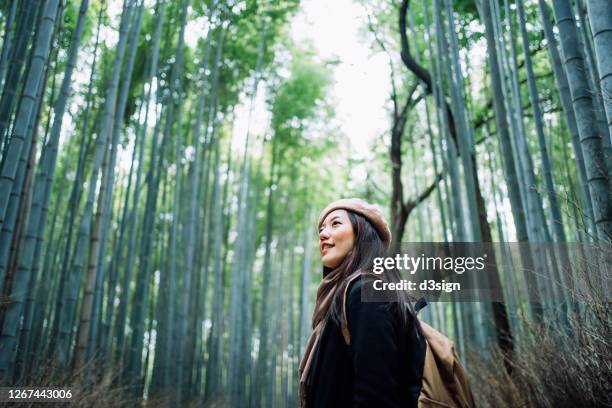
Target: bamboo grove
(157,232)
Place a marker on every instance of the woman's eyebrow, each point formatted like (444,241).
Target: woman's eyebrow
(333,218)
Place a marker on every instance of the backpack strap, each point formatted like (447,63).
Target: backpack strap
(420,304)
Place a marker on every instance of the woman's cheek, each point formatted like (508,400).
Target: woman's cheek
(343,251)
(331,254)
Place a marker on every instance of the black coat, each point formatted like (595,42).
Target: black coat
(382,367)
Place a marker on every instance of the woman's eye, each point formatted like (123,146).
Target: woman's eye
(336,223)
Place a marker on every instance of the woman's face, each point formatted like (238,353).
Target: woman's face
(336,238)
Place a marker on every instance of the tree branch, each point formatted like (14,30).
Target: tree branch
(410,62)
(408,104)
(419,71)
(411,204)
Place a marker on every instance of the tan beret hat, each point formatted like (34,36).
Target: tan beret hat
(371,212)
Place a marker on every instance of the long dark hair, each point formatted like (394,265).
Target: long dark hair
(360,259)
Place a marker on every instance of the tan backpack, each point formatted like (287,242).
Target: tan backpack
(445,381)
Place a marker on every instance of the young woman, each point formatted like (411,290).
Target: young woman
(382,366)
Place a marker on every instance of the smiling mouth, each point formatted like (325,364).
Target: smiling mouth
(325,247)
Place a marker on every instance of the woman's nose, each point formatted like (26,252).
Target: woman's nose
(323,234)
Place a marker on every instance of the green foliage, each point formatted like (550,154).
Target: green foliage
(246,23)
(297,100)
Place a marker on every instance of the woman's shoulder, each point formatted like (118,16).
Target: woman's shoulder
(362,299)
(360,293)
(359,282)
(355,286)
